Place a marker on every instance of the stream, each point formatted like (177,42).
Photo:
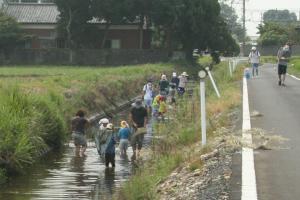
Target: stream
(66,176)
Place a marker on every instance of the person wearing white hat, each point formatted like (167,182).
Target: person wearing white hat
(101,136)
(109,146)
(175,80)
(182,83)
(254,59)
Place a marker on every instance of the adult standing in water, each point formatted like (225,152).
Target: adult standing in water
(78,126)
(101,136)
(110,150)
(138,119)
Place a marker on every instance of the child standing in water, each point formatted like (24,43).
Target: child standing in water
(124,134)
(110,150)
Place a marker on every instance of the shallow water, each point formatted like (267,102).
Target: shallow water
(66,176)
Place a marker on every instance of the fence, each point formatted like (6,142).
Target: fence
(82,57)
(272,50)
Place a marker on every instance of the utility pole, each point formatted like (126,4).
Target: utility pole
(244,28)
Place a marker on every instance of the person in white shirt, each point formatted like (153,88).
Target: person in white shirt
(148,95)
(254,59)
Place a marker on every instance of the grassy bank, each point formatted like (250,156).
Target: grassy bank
(37,103)
(178,136)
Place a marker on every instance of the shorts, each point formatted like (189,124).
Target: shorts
(79,139)
(181,90)
(281,69)
(148,102)
(137,139)
(255,65)
(123,145)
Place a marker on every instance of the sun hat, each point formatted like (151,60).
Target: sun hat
(164,77)
(184,74)
(253,48)
(124,124)
(109,126)
(104,121)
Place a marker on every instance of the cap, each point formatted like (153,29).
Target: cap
(124,124)
(253,48)
(174,74)
(109,126)
(104,121)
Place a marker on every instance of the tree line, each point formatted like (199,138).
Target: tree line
(279,27)
(175,24)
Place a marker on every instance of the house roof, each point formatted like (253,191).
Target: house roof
(33,13)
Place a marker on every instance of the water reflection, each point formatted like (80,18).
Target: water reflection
(66,176)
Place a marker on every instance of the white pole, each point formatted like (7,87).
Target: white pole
(230,68)
(214,83)
(203,111)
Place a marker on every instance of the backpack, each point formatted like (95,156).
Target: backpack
(285,52)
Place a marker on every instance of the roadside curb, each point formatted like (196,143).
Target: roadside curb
(249,190)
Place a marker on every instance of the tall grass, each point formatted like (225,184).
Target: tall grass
(29,126)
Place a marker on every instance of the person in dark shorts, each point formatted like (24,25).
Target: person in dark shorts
(138,118)
(78,126)
(283,55)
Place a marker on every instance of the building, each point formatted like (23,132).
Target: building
(38,18)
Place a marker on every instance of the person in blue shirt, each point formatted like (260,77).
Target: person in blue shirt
(110,150)
(124,134)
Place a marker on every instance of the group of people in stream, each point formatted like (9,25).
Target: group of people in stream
(154,102)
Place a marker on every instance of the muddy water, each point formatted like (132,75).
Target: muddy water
(66,176)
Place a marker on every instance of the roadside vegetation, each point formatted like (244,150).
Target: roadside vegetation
(37,104)
(174,148)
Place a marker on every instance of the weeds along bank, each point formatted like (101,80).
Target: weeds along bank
(173,147)
(36,104)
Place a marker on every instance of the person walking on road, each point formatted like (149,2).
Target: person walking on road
(254,59)
(138,118)
(78,126)
(124,134)
(283,55)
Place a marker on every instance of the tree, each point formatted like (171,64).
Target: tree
(142,9)
(197,23)
(111,12)
(279,16)
(73,18)
(231,19)
(10,32)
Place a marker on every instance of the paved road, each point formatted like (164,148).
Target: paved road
(277,171)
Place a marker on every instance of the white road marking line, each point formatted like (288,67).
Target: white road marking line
(249,190)
(294,77)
